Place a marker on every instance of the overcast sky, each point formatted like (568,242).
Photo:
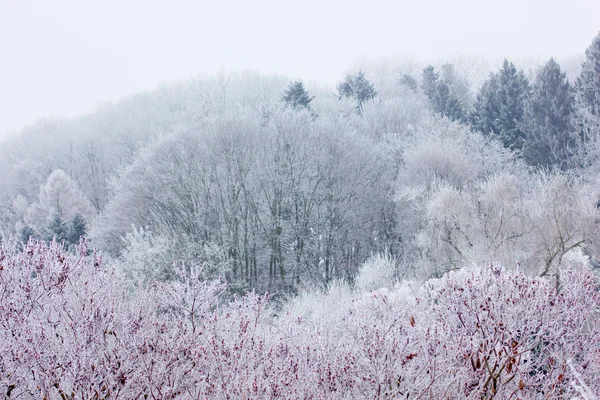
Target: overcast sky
(64,57)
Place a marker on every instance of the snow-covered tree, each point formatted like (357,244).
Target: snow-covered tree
(59,195)
(77,228)
(547,121)
(57,229)
(358,88)
(296,96)
(500,106)
(448,94)
(586,114)
(588,82)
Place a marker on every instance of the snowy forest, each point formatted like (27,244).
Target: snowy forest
(416,231)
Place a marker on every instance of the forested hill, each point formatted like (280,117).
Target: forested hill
(279,184)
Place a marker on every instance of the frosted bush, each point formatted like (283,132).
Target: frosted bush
(70,329)
(377,272)
(151,257)
(146,257)
(323,307)
(405,293)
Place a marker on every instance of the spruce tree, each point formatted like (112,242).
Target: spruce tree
(586,116)
(358,88)
(409,82)
(588,82)
(430,81)
(447,104)
(57,229)
(442,93)
(77,229)
(296,96)
(500,106)
(486,109)
(459,88)
(547,119)
(513,93)
(26,233)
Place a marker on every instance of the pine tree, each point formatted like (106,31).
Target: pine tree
(57,229)
(486,110)
(442,93)
(588,82)
(586,116)
(447,104)
(547,121)
(27,232)
(459,88)
(358,88)
(296,96)
(77,229)
(409,82)
(430,80)
(500,106)
(513,93)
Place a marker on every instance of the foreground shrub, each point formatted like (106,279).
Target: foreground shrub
(70,328)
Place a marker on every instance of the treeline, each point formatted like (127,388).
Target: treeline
(544,120)
(278,184)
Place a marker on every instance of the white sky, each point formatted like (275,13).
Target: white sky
(63,57)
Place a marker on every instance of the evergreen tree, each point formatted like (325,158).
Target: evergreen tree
(586,114)
(77,229)
(500,106)
(409,81)
(430,80)
(296,96)
(486,110)
(358,88)
(57,229)
(513,93)
(459,87)
(447,104)
(27,232)
(547,122)
(588,83)
(442,93)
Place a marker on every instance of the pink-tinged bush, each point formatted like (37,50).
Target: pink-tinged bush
(505,334)
(71,328)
